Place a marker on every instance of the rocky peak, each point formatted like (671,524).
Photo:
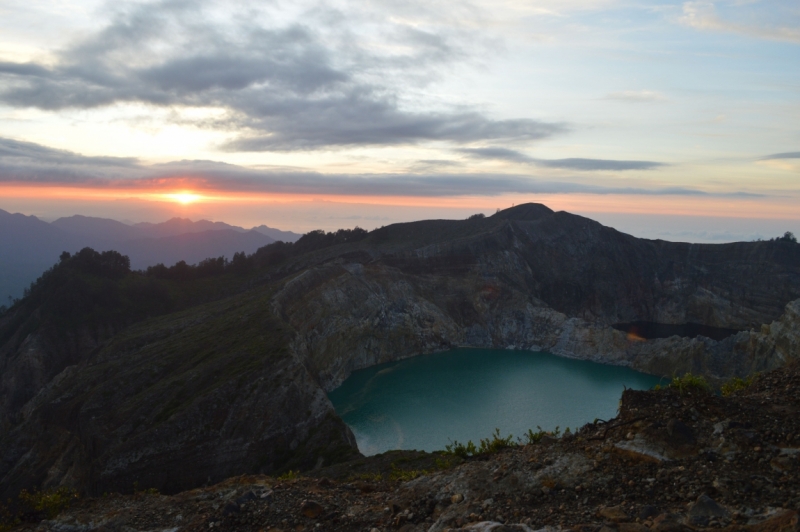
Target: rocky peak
(526,212)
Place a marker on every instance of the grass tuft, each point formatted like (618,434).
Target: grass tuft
(491,445)
(290,475)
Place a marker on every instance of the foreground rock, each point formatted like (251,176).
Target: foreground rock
(728,463)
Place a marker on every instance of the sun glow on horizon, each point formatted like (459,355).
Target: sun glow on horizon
(184,198)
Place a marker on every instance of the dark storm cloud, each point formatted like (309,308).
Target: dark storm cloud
(505,154)
(786,155)
(283,88)
(22,162)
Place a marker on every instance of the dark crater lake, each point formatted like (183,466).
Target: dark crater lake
(426,401)
(649,330)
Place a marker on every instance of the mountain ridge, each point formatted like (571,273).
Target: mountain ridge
(32,245)
(272,331)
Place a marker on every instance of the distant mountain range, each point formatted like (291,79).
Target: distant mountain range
(30,245)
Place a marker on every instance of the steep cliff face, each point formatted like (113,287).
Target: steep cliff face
(529,278)
(173,400)
(363,316)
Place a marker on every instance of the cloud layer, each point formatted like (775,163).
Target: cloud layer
(28,163)
(281,86)
(744,18)
(785,155)
(575,163)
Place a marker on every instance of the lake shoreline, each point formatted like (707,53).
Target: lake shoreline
(428,401)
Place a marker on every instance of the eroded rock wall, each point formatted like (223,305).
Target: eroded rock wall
(362,315)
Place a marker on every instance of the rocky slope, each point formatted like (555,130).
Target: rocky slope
(172,401)
(675,460)
(232,379)
(528,278)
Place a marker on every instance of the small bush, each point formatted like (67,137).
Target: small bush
(36,505)
(495,444)
(448,462)
(404,475)
(289,475)
(736,384)
(532,437)
(48,503)
(690,382)
(369,477)
(491,445)
(461,450)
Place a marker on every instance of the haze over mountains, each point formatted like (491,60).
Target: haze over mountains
(30,245)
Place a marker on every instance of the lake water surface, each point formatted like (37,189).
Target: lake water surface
(425,402)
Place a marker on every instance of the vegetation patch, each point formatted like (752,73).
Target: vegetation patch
(404,475)
(33,506)
(736,384)
(492,445)
(532,438)
(289,475)
(689,382)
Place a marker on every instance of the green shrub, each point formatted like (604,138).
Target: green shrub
(461,450)
(535,437)
(404,475)
(736,384)
(690,382)
(369,477)
(289,475)
(48,503)
(448,462)
(496,444)
(491,445)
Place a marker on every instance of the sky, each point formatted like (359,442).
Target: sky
(676,120)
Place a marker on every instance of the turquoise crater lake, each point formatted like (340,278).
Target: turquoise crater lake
(426,401)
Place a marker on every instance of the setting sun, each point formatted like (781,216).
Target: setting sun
(184,198)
